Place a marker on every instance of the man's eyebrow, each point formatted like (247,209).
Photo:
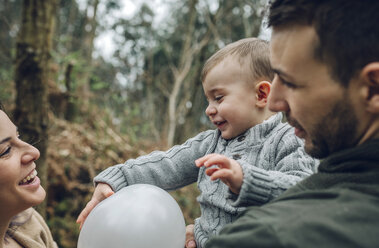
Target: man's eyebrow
(281,73)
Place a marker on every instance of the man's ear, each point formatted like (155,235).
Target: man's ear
(262,90)
(370,77)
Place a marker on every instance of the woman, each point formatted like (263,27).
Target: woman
(20,189)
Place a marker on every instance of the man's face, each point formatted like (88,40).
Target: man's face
(318,107)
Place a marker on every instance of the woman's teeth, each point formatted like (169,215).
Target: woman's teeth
(29,178)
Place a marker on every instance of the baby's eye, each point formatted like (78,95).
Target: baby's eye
(218,98)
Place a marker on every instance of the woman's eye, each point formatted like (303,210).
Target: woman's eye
(6,152)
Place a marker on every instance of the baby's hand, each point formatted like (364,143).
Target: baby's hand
(228,170)
(190,237)
(102,191)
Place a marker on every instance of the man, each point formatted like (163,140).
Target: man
(326,57)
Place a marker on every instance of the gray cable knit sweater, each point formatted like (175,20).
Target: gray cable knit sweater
(272,160)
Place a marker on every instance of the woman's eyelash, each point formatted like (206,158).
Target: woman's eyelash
(35,141)
(7,151)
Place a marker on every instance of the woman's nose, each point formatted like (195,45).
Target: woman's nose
(30,154)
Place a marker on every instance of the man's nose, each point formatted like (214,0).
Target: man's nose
(277,98)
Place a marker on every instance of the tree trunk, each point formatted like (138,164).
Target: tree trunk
(70,111)
(87,48)
(31,76)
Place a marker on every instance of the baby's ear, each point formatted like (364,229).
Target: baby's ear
(262,90)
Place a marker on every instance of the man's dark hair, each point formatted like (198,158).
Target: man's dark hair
(348,31)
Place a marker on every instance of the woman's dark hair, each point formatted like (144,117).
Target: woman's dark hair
(347,30)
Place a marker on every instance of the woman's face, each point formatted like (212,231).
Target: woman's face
(20,188)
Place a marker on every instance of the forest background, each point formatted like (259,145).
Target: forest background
(86,109)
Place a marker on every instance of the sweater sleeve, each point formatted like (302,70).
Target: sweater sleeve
(280,165)
(168,170)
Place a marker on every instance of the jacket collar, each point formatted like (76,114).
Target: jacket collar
(364,157)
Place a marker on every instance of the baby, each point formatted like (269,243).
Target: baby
(252,150)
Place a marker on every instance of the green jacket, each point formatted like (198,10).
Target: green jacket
(336,207)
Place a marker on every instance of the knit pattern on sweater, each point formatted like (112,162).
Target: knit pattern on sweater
(272,160)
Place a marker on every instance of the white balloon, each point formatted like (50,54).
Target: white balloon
(137,216)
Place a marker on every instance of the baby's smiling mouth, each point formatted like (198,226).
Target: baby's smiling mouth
(29,178)
(219,123)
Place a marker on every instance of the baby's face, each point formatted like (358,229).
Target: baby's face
(231,95)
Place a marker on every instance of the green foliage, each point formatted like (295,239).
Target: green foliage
(161,48)
(126,114)
(96,84)
(79,64)
(63,230)
(133,125)
(6,82)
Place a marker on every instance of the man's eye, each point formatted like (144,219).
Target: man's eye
(288,84)
(7,151)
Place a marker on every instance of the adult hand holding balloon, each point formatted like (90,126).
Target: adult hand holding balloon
(137,216)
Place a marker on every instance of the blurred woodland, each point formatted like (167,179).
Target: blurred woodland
(86,111)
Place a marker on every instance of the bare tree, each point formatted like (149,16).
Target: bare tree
(32,74)
(87,47)
(189,51)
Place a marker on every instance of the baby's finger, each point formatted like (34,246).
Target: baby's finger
(85,212)
(210,171)
(200,162)
(219,160)
(190,237)
(108,194)
(222,174)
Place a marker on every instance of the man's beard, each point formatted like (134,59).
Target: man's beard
(334,132)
